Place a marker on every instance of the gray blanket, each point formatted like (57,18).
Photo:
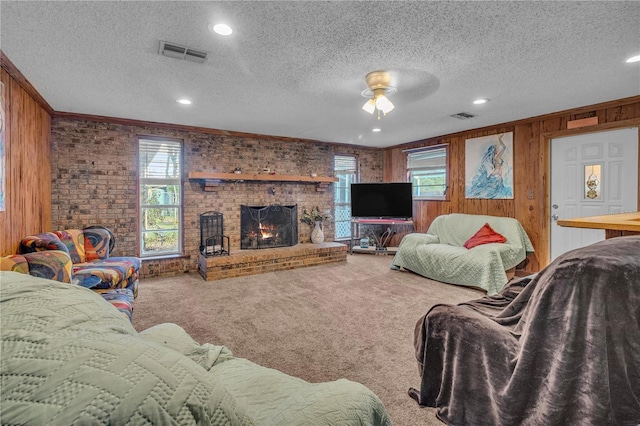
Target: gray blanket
(559,348)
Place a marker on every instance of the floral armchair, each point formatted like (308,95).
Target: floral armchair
(56,265)
(89,251)
(51,264)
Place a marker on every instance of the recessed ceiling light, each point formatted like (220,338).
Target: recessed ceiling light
(634,59)
(480,101)
(184,101)
(376,129)
(222,29)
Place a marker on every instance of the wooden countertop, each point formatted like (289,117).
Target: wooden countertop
(618,222)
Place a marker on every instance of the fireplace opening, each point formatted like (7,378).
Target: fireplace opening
(272,226)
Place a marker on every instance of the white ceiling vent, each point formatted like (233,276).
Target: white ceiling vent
(177,51)
(463,115)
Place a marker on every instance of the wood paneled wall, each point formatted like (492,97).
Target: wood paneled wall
(531,169)
(27,161)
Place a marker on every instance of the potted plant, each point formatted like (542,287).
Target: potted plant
(315,217)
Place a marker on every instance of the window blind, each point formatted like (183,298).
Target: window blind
(427,158)
(159,159)
(345,163)
(427,171)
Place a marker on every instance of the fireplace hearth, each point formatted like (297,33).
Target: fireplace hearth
(263,227)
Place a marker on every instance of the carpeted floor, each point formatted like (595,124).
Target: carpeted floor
(353,320)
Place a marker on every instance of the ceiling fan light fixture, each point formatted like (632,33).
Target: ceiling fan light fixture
(384,104)
(369,106)
(379,88)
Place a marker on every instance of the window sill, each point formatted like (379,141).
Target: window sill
(167,256)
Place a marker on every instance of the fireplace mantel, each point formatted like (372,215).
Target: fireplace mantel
(211,180)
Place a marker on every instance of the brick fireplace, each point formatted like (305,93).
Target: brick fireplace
(268,242)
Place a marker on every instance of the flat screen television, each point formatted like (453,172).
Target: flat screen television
(381,200)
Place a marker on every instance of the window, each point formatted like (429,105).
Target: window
(427,171)
(346,171)
(160,197)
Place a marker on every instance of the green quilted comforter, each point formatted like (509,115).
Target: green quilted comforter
(69,357)
(440,254)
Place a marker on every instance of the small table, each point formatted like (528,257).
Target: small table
(614,225)
(355,233)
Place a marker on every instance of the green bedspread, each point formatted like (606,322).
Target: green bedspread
(440,254)
(69,357)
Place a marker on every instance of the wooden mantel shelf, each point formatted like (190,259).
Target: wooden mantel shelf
(212,179)
(266,177)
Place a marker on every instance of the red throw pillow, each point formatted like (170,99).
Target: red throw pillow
(484,235)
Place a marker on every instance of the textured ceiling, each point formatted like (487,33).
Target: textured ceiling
(297,69)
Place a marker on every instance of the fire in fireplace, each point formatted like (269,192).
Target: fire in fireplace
(268,226)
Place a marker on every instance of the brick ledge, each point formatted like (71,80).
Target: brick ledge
(251,262)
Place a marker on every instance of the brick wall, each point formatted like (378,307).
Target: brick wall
(94,181)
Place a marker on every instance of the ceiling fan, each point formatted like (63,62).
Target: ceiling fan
(379,88)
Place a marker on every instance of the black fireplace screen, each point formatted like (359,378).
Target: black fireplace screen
(212,240)
(268,227)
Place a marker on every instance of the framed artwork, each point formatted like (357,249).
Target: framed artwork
(489,167)
(2,150)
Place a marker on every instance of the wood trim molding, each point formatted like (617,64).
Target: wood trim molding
(157,124)
(632,122)
(19,78)
(511,124)
(186,128)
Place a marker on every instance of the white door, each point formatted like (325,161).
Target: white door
(591,175)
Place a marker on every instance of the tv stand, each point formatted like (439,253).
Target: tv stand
(354,242)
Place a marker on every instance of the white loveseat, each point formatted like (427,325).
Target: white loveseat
(440,253)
